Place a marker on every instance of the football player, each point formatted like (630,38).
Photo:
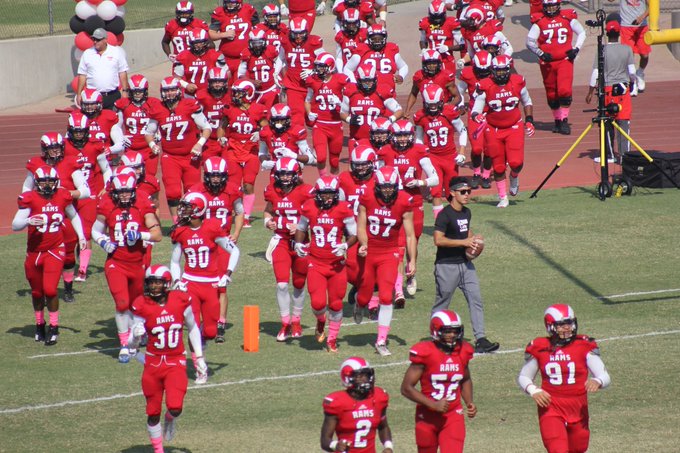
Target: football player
(198,240)
(382,214)
(356,429)
(433,72)
(43,210)
(274,29)
(281,138)
(571,368)
(475,28)
(214,99)
(129,220)
(440,366)
(177,31)
(192,65)
(231,23)
(105,126)
(261,64)
(551,38)
(363,7)
(75,181)
(351,35)
(160,315)
(180,121)
(504,130)
(326,219)
(303,9)
(285,198)
(441,33)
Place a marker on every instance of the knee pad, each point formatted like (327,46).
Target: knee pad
(554,104)
(565,101)
(282,287)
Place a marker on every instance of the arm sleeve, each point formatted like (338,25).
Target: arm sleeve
(80,182)
(303,224)
(151,128)
(75,221)
(524,94)
(242,69)
(462,131)
(310,95)
(175,268)
(201,121)
(338,59)
(420,134)
(233,250)
(344,108)
(532,40)
(392,105)
(279,63)
(29,184)
(194,332)
(423,38)
(580,33)
(103,163)
(351,66)
(98,231)
(597,369)
(480,101)
(263,152)
(20,219)
(527,374)
(350,225)
(117,137)
(402,67)
(432,178)
(462,88)
(506,46)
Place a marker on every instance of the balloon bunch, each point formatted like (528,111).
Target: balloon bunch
(93,14)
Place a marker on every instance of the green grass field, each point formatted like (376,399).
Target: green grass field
(564,246)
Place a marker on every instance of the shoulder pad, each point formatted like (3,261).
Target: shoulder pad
(568,14)
(536,17)
(424,23)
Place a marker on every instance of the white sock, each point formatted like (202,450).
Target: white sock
(385,315)
(298,301)
(123,321)
(283,299)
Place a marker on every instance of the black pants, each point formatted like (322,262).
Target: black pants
(110,98)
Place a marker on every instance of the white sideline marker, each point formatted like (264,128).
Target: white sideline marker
(21,409)
(640,293)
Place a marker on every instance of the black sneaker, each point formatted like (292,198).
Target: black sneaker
(68,292)
(399,301)
(483,346)
(352,296)
(40,332)
(556,128)
(474,181)
(373,313)
(486,183)
(52,335)
(221,327)
(565,129)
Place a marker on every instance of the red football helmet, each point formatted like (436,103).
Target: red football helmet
(257,41)
(403,135)
(286,173)
(242,92)
(324,64)
(500,69)
(446,322)
(192,206)
(351,22)
(492,44)
(217,81)
(556,316)
(473,18)
(367,79)
(377,37)
(327,192)
(232,6)
(157,282)
(134,160)
(215,174)
(52,146)
(357,376)
(272,16)
(78,129)
(171,91)
(91,102)
(138,89)
(124,189)
(551,8)
(198,41)
(46,180)
(184,13)
(436,12)
(379,135)
(431,62)
(387,184)
(280,118)
(433,99)
(481,64)
(362,162)
(298,30)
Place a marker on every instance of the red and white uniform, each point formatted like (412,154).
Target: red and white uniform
(365,8)
(442,79)
(101,125)
(358,420)
(287,208)
(348,46)
(262,69)
(366,108)
(305,9)
(179,35)
(326,100)
(474,38)
(326,277)
(165,365)
(194,69)
(212,109)
(87,158)
(471,82)
(384,61)
(241,23)
(241,153)
(288,139)
(299,58)
(135,118)
(353,189)
(440,379)
(274,37)
(448,34)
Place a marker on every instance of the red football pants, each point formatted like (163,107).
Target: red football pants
(70,244)
(242,171)
(205,305)
(558,79)
(268,98)
(179,173)
(296,102)
(87,211)
(309,15)
(212,148)
(352,265)
(285,261)
(327,284)
(446,168)
(378,267)
(477,145)
(164,374)
(439,432)
(43,271)
(150,159)
(126,282)
(327,139)
(505,146)
(564,425)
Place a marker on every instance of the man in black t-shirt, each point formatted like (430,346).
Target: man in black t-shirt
(451,268)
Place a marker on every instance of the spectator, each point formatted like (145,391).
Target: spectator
(452,269)
(103,68)
(619,80)
(634,15)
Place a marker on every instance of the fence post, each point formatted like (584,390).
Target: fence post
(50,14)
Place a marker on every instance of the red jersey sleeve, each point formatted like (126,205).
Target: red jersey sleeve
(299,134)
(424,24)
(450,112)
(569,14)
(315,42)
(418,77)
(24,200)
(536,17)
(332,404)
(419,353)
(518,82)
(418,117)
(385,92)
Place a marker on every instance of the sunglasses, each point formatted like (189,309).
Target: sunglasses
(464,191)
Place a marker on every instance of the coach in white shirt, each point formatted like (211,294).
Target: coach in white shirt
(104,68)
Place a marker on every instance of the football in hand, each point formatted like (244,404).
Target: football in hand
(473,252)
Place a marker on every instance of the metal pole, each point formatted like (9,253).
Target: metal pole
(50,14)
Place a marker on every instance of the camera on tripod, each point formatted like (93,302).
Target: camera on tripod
(594,23)
(600,17)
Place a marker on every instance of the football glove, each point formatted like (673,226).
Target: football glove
(132,236)
(545,56)
(571,54)
(255,137)
(108,246)
(529,128)
(306,73)
(301,249)
(138,330)
(355,120)
(267,164)
(36,220)
(460,64)
(285,152)
(284,10)
(414,183)
(443,48)
(460,159)
(311,116)
(179,285)
(201,366)
(224,281)
(321,9)
(479,118)
(340,249)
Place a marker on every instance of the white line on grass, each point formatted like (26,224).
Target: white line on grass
(21,409)
(640,293)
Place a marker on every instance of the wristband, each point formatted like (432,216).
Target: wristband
(183,83)
(145,236)
(333,444)
(532,389)
(266,220)
(202,140)
(152,145)
(383,16)
(392,118)
(388,444)
(102,242)
(529,119)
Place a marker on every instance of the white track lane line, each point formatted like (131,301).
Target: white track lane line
(640,293)
(18,410)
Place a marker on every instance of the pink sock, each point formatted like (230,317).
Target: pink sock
(565,113)
(248,202)
(285,320)
(54,318)
(373,303)
(436,210)
(156,437)
(382,333)
(39,317)
(68,276)
(84,259)
(296,320)
(123,337)
(174,219)
(399,283)
(333,329)
(222,320)
(486,173)
(557,113)
(477,171)
(502,188)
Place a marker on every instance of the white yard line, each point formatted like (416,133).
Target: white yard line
(639,293)
(18,410)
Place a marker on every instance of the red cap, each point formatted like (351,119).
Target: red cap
(613,25)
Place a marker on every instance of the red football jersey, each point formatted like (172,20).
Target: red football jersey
(177,128)
(325,96)
(503,101)
(301,6)
(274,37)
(164,323)
(350,45)
(383,222)
(87,158)
(556,33)
(64,167)
(212,109)
(467,75)
(476,37)
(100,127)
(439,34)
(354,189)
(438,132)
(299,58)
(149,185)
(367,108)
(408,164)
(443,372)
(384,61)
(200,250)
(261,68)
(220,206)
(196,67)
(358,420)
(366,11)
(288,139)
(241,23)
(120,220)
(441,79)
(53,211)
(135,120)
(564,369)
(490,7)
(179,35)
(287,206)
(326,228)
(242,123)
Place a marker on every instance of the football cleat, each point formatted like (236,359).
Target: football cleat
(411,286)
(144,340)
(201,378)
(556,127)
(399,301)
(381,348)
(296,331)
(81,277)
(503,203)
(246,223)
(52,335)
(640,76)
(68,292)
(133,352)
(475,181)
(373,313)
(483,346)
(358,313)
(352,296)
(332,346)
(514,185)
(221,327)
(170,428)
(284,333)
(124,355)
(486,183)
(320,333)
(565,129)
(40,332)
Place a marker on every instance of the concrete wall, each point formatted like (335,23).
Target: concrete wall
(38,68)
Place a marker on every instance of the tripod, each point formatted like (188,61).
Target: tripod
(606,122)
